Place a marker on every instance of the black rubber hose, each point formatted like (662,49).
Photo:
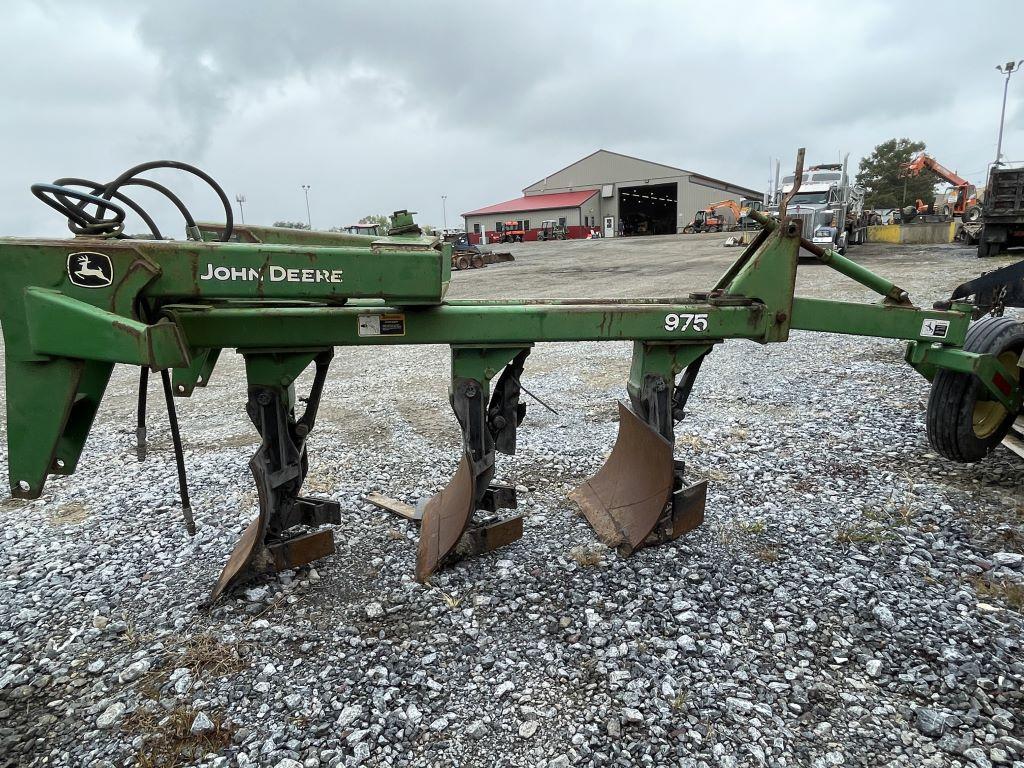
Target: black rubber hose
(62,205)
(179,454)
(229,219)
(97,189)
(140,418)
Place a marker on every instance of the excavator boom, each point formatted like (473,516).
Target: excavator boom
(923,161)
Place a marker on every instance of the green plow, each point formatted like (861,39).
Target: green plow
(72,308)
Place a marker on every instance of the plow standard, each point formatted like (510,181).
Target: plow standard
(73,308)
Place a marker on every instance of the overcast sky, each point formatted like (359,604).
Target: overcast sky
(379,106)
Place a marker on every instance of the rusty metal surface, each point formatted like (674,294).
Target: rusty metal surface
(625,499)
(688,508)
(303,549)
(445,517)
(408,511)
(486,538)
(248,558)
(798,175)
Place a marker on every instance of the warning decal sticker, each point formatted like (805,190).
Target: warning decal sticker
(934,329)
(392,324)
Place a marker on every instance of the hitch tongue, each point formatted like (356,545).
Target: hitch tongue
(638,496)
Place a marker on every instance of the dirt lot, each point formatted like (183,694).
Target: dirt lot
(678,265)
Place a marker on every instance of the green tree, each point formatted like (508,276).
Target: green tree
(292,224)
(382,221)
(885,181)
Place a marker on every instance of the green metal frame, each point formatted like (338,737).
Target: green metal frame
(177,304)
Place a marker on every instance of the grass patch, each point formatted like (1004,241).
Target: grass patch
(450,599)
(678,702)
(752,526)
(767,554)
(69,514)
(169,741)
(863,533)
(587,557)
(207,654)
(691,442)
(201,655)
(1004,591)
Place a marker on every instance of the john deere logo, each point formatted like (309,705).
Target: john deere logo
(90,270)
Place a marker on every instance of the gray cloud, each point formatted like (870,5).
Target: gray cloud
(385,105)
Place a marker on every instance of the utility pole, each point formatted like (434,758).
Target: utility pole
(309,220)
(444,211)
(1007,69)
(240,199)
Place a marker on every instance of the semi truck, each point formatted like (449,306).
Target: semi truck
(829,207)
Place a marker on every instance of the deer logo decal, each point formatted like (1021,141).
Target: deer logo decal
(90,270)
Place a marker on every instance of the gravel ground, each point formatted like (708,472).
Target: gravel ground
(852,599)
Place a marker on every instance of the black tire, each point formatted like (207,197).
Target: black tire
(973,214)
(983,249)
(955,397)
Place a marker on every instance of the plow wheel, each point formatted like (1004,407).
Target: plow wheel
(964,422)
(637,497)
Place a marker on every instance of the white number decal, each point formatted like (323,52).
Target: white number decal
(674,322)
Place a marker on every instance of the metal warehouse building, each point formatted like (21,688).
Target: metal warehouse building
(616,194)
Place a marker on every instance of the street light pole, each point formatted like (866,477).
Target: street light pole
(444,211)
(309,219)
(240,199)
(1007,69)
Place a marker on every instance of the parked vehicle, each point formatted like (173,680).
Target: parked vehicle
(825,197)
(551,230)
(746,206)
(363,229)
(511,232)
(1003,213)
(709,220)
(961,199)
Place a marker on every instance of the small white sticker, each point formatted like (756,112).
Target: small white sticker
(369,325)
(934,329)
(391,324)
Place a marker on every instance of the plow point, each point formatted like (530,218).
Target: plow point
(634,490)
(254,555)
(445,517)
(248,558)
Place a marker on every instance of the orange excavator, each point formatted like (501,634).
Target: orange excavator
(708,220)
(962,199)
